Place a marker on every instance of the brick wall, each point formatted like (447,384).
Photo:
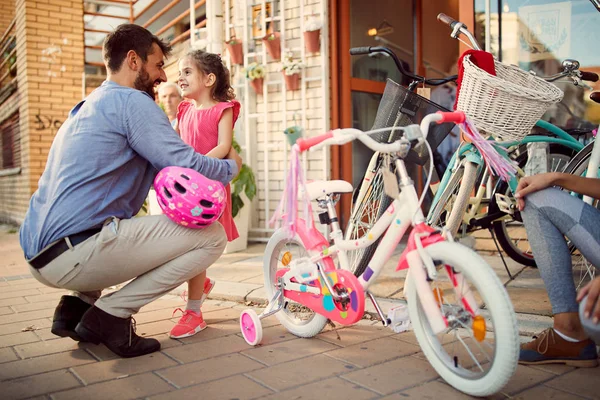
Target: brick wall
(268,147)
(50,66)
(7,13)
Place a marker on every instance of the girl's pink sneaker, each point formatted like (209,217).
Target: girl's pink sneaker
(189,324)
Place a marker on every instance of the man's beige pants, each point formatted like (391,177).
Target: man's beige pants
(156,253)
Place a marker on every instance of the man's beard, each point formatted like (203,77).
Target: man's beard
(144,83)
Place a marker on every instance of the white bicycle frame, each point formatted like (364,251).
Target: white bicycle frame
(403,212)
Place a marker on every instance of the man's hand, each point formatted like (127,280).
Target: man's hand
(233,155)
(592,305)
(532,184)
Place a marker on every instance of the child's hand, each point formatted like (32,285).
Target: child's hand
(592,305)
(233,155)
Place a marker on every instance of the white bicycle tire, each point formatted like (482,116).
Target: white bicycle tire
(306,330)
(501,312)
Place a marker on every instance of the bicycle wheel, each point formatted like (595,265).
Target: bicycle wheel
(583,270)
(510,232)
(452,205)
(467,355)
(296,318)
(366,212)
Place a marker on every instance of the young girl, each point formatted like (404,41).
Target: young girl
(205,121)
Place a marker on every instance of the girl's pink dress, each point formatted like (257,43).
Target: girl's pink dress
(200,129)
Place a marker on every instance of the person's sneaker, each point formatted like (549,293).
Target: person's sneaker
(118,334)
(189,324)
(550,348)
(67,315)
(209,284)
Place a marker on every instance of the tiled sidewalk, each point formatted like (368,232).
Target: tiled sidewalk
(361,362)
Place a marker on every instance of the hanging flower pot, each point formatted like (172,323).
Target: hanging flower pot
(312,41)
(256,74)
(236,52)
(272,42)
(293,133)
(292,82)
(257,85)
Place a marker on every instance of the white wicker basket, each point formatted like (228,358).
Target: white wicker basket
(507,105)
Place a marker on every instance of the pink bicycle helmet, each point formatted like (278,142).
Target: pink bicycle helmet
(188,198)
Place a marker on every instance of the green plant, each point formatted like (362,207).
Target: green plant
(244,182)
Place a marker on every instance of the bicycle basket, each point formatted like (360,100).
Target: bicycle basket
(507,105)
(399,107)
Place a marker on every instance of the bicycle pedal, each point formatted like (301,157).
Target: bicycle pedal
(399,320)
(506,204)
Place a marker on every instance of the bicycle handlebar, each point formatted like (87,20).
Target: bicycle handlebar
(589,76)
(380,49)
(446,19)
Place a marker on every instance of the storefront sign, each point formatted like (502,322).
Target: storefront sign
(545,31)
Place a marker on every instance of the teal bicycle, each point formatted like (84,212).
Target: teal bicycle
(461,208)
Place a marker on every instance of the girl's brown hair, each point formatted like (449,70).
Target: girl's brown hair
(210,63)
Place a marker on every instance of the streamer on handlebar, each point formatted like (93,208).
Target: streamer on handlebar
(287,210)
(499,165)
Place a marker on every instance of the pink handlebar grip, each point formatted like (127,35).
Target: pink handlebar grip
(305,144)
(458,117)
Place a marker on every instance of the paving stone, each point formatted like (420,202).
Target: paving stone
(525,377)
(393,376)
(299,372)
(374,352)
(213,331)
(234,291)
(111,369)
(208,348)
(35,385)
(52,298)
(221,315)
(26,316)
(529,300)
(582,382)
(332,388)
(7,354)
(354,334)
(235,387)
(28,285)
(34,306)
(50,347)
(12,301)
(42,364)
(6,310)
(236,272)
(208,370)
(133,387)
(19,293)
(155,328)
(429,390)
(548,393)
(290,350)
(18,338)
(19,326)
(102,353)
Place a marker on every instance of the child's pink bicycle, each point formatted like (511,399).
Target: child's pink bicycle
(462,316)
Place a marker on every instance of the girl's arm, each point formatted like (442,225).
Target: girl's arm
(225,136)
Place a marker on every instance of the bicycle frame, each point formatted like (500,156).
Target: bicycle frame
(471,154)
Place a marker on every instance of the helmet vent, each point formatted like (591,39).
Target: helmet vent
(184,176)
(206,203)
(167,193)
(179,188)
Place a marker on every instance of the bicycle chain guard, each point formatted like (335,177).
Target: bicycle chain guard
(345,312)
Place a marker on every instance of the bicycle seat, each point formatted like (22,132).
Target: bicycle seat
(317,189)
(595,96)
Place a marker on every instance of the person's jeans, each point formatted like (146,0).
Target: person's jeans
(549,216)
(156,253)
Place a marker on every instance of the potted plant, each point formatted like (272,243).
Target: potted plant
(236,52)
(255,72)
(243,190)
(312,35)
(293,133)
(272,42)
(291,72)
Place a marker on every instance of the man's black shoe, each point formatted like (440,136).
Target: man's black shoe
(67,315)
(118,334)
